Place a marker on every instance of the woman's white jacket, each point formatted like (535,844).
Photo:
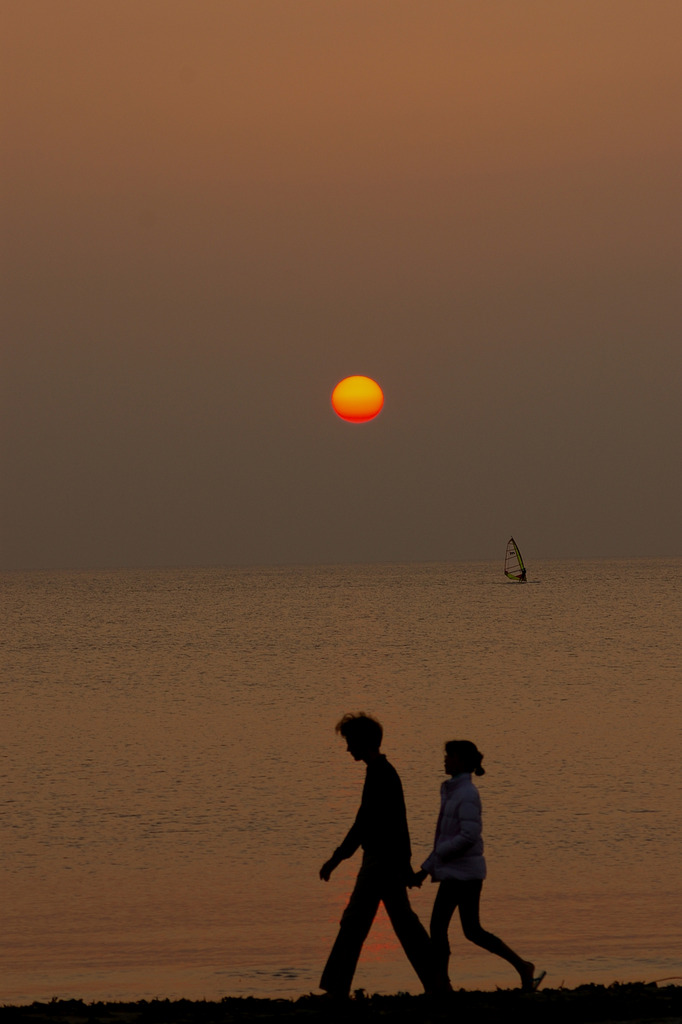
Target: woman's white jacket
(458,846)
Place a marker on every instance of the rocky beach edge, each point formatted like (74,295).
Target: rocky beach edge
(657,1002)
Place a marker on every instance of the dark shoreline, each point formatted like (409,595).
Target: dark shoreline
(587,1004)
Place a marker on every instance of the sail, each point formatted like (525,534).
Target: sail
(514,569)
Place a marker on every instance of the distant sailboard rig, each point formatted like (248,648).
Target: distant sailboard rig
(514,569)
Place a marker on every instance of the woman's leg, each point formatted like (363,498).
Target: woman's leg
(469,899)
(441,915)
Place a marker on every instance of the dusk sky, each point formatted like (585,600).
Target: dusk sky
(214,210)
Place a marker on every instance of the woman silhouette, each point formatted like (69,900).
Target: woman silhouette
(457,863)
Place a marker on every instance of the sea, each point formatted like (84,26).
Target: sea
(172,780)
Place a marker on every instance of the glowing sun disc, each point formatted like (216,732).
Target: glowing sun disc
(357,399)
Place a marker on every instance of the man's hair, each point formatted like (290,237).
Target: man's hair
(361,729)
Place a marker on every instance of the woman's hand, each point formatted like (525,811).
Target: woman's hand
(417,879)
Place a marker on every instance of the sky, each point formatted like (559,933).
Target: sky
(214,210)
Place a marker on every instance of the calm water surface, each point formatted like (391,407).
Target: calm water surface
(171,781)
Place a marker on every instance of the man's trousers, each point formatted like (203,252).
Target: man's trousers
(372,887)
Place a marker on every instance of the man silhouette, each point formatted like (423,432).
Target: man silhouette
(380,828)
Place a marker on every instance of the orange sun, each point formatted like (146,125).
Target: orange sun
(357,399)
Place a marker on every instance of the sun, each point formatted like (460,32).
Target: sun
(357,399)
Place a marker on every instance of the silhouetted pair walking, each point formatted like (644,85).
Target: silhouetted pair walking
(456,862)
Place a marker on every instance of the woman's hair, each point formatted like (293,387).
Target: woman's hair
(362,729)
(468,755)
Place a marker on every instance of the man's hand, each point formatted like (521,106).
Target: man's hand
(327,868)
